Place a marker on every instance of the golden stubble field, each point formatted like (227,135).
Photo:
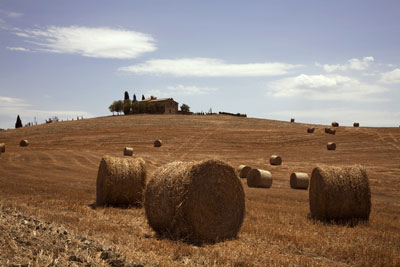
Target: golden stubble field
(53,182)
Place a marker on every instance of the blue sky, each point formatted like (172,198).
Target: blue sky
(316,61)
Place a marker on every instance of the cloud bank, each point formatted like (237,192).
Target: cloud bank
(391,77)
(208,67)
(90,42)
(326,87)
(352,64)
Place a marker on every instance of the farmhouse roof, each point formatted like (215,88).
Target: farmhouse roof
(158,100)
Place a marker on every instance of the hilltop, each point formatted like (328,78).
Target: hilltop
(53,181)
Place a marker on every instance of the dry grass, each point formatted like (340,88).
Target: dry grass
(54,180)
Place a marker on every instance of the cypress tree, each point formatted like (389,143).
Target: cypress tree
(18,124)
(126,95)
(142,97)
(134,98)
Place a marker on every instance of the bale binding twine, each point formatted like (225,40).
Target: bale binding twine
(259,178)
(198,202)
(299,180)
(120,181)
(243,170)
(340,194)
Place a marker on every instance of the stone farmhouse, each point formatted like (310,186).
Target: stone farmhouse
(171,106)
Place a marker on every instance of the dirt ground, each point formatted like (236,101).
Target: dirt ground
(48,188)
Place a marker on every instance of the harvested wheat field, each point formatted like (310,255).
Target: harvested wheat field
(48,191)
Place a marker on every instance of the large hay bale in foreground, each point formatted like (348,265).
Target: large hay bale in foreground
(128,151)
(120,181)
(335,124)
(243,170)
(24,142)
(196,201)
(356,124)
(340,193)
(259,178)
(310,130)
(292,120)
(2,148)
(157,143)
(331,146)
(299,180)
(275,160)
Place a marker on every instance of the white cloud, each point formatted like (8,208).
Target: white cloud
(11,107)
(90,42)
(179,90)
(345,116)
(352,64)
(208,67)
(14,15)
(18,49)
(10,14)
(326,87)
(391,77)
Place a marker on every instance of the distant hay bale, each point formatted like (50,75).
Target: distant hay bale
(340,193)
(198,202)
(275,160)
(259,178)
(299,180)
(24,142)
(292,120)
(356,124)
(332,131)
(310,130)
(331,146)
(120,181)
(2,148)
(157,143)
(335,124)
(128,151)
(243,170)
(327,130)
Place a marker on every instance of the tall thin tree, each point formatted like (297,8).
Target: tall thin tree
(126,95)
(18,123)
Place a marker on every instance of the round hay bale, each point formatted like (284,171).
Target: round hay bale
(243,170)
(340,193)
(199,201)
(2,148)
(356,124)
(331,146)
(275,160)
(128,151)
(335,124)
(259,178)
(327,130)
(299,180)
(332,131)
(24,142)
(292,120)
(157,143)
(310,130)
(120,181)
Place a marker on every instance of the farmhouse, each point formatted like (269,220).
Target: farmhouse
(171,106)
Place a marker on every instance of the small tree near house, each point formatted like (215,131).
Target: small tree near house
(127,106)
(185,108)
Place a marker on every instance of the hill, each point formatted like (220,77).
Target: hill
(52,182)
